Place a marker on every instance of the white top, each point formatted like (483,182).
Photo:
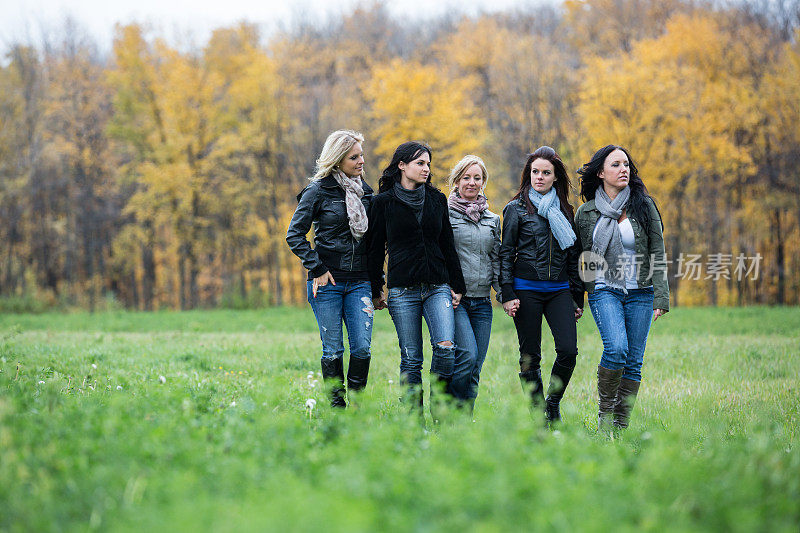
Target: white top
(629,246)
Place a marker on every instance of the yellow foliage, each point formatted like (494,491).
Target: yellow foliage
(411,102)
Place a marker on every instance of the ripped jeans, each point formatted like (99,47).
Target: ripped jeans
(407,306)
(348,301)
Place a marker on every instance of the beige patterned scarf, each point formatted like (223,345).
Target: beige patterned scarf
(356,213)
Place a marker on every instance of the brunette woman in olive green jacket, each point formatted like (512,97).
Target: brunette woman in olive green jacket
(624,271)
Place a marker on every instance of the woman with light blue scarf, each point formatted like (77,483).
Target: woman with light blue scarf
(539,275)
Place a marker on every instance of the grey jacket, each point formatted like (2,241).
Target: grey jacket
(478,247)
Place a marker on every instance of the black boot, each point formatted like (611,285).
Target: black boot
(559,379)
(412,397)
(413,401)
(333,376)
(607,386)
(441,397)
(357,374)
(626,397)
(530,376)
(532,383)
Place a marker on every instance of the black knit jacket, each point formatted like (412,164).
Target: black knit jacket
(418,252)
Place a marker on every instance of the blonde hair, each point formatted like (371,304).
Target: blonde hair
(461,168)
(336,147)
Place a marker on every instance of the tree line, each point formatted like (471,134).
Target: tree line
(158,176)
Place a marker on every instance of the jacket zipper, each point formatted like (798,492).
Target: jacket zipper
(550,252)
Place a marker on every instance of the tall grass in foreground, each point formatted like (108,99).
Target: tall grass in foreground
(92,437)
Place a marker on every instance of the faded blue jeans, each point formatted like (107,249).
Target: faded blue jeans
(624,322)
(473,327)
(348,301)
(407,306)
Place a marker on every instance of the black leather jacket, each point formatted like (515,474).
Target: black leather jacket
(529,251)
(322,203)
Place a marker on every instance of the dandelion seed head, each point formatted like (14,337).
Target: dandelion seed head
(119,387)
(94,366)
(162,379)
(311,403)
(41,382)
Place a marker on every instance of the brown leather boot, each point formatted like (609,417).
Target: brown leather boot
(626,397)
(607,386)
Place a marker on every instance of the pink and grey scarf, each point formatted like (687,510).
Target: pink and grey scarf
(474,209)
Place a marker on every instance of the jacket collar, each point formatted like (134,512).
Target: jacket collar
(590,206)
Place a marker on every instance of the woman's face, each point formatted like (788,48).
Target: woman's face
(416,172)
(543,175)
(470,184)
(616,172)
(352,163)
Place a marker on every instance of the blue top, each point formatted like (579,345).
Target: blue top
(521,284)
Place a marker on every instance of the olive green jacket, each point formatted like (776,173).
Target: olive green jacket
(649,249)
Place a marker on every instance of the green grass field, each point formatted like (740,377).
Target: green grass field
(90,437)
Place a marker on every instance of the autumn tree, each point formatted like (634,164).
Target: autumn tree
(410,102)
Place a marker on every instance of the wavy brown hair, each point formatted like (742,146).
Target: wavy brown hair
(562,183)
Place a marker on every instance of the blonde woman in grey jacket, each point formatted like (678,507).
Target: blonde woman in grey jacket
(476,232)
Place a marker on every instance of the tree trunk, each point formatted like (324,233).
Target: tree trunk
(149,267)
(780,259)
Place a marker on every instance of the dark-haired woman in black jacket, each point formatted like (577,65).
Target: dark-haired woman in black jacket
(409,220)
(539,275)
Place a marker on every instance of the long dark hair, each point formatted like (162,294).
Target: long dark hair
(406,152)
(561,185)
(637,205)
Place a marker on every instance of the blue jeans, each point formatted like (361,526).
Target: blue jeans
(350,301)
(624,322)
(473,328)
(407,306)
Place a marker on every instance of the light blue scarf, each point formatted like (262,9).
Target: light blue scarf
(549,207)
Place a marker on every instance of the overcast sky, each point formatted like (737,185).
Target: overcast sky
(24,20)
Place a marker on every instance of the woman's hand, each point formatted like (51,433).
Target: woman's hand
(321,282)
(659,312)
(578,313)
(511,307)
(456,298)
(379,302)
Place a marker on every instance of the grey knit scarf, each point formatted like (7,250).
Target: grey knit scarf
(607,240)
